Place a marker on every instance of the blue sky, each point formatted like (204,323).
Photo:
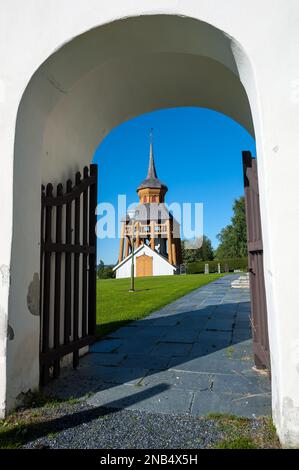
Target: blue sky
(197,154)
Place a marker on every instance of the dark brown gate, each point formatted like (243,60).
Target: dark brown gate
(255,262)
(68,270)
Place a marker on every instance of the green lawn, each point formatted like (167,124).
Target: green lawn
(116,306)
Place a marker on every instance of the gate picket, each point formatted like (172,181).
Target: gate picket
(68,275)
(76,273)
(84,261)
(57,281)
(92,257)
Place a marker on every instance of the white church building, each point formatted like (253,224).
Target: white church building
(147,262)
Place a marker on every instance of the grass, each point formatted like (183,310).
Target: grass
(116,306)
(240,442)
(39,399)
(27,424)
(230,351)
(239,433)
(32,420)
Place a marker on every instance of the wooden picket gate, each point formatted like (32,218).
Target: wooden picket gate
(68,271)
(255,262)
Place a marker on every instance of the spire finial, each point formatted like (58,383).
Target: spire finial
(151,135)
(152,181)
(151,166)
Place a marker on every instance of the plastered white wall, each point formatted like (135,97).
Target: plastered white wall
(114,73)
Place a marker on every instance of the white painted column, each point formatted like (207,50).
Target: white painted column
(7,125)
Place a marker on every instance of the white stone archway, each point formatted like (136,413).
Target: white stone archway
(66,98)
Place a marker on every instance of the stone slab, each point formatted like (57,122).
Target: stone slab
(202,348)
(213,336)
(169,320)
(182,380)
(171,349)
(156,399)
(102,359)
(152,361)
(216,362)
(220,324)
(105,346)
(205,403)
(181,335)
(137,346)
(235,383)
(114,375)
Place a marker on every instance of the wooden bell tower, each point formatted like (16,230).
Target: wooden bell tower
(153,223)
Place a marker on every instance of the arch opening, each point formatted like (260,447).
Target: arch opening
(90,85)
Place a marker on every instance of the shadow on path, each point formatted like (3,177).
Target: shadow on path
(192,356)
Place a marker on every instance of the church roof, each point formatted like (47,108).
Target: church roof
(152,181)
(151,211)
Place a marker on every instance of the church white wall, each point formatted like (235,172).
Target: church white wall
(124,270)
(79,96)
(161,267)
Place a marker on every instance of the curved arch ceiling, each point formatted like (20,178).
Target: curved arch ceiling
(118,71)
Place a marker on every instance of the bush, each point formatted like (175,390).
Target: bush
(105,273)
(229,264)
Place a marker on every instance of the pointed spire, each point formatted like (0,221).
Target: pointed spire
(151,181)
(151,173)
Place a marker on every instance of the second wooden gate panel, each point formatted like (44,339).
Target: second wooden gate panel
(256,267)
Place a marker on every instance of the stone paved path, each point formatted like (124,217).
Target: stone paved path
(193,356)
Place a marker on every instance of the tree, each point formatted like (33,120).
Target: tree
(204,253)
(104,272)
(107,273)
(233,237)
(100,268)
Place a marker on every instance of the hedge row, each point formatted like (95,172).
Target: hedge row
(229,264)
